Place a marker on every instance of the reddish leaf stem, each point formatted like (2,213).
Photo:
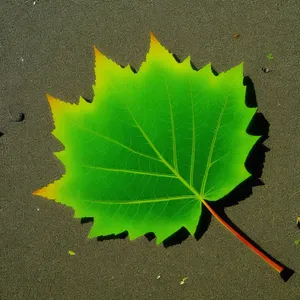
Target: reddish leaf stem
(268,260)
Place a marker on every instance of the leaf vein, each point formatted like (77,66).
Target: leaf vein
(193,143)
(130,171)
(191,188)
(173,128)
(211,150)
(142,201)
(114,141)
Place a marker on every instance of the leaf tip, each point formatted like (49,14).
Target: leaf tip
(187,60)
(240,67)
(50,98)
(153,40)
(159,239)
(53,102)
(46,192)
(39,192)
(97,53)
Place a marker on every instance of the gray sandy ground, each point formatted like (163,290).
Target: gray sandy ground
(47,47)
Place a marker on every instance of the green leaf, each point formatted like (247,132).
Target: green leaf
(71,253)
(152,146)
(270,56)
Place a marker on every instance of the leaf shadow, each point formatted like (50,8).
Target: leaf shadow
(122,235)
(87,99)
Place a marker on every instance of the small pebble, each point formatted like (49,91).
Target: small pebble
(266,70)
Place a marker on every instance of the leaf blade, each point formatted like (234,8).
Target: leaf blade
(148,159)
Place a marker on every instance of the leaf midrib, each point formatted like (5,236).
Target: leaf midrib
(191,188)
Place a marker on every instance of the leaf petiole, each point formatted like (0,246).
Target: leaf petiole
(267,259)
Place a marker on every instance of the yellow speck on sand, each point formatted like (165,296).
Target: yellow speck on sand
(71,253)
(183,280)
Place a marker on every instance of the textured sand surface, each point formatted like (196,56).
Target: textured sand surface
(47,47)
